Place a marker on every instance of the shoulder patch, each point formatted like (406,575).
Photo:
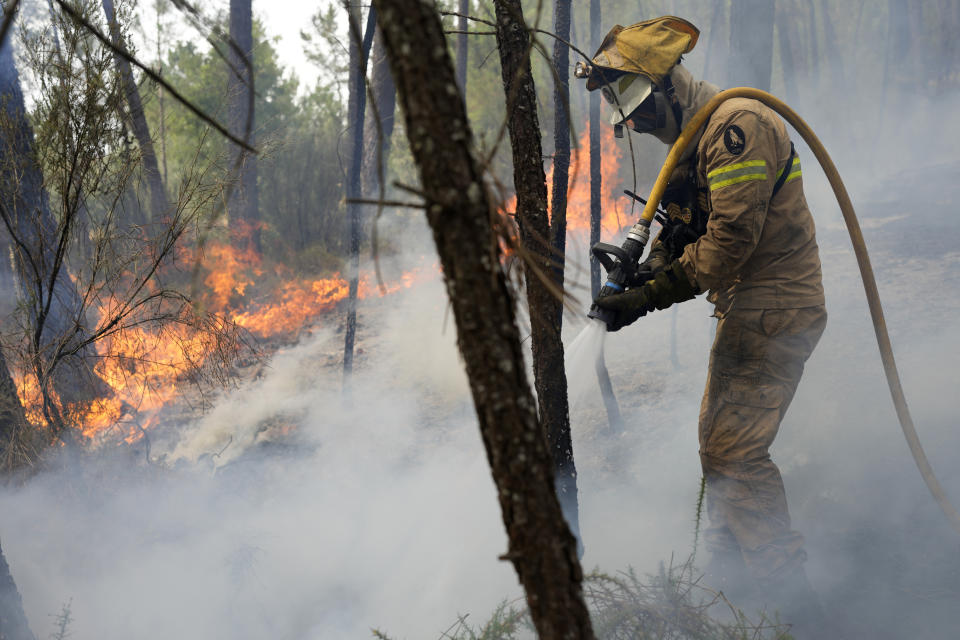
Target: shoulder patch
(734,139)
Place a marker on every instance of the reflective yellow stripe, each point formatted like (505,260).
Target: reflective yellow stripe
(796,173)
(734,167)
(795,167)
(744,178)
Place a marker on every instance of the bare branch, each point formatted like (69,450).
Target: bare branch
(9,11)
(388,203)
(153,75)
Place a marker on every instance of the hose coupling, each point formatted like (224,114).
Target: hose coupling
(640,232)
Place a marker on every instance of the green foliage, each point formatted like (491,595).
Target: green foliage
(297,137)
(200,74)
(326,47)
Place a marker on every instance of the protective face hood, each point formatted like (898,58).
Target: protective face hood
(624,94)
(692,95)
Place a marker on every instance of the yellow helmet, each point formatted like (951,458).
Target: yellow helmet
(651,49)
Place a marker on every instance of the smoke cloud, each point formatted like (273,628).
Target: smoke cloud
(286,512)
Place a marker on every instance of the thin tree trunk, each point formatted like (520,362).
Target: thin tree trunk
(53,25)
(542,550)
(357,102)
(595,156)
(163,115)
(377,145)
(18,446)
(950,48)
(554,380)
(719,12)
(579,96)
(561,144)
(751,43)
(55,309)
(790,50)
(13,621)
(159,206)
(814,61)
(463,8)
(244,203)
(544,301)
(832,44)
(898,60)
(614,418)
(921,39)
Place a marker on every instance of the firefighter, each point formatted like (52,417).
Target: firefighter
(758,259)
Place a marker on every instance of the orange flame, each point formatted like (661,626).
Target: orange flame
(299,301)
(612,212)
(143,367)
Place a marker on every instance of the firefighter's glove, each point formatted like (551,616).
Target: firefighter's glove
(626,307)
(670,286)
(657,261)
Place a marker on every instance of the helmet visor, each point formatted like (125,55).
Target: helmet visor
(625,94)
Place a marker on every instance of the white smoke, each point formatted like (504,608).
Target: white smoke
(321,519)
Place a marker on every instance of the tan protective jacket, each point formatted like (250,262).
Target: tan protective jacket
(759,252)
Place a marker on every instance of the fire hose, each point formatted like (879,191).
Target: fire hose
(628,255)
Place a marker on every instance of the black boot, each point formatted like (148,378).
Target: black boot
(795,603)
(727,573)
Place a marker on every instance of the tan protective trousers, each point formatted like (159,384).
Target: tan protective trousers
(755,366)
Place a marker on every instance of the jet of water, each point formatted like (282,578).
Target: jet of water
(581,358)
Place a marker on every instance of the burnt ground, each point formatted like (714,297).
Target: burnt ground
(882,557)
(354,504)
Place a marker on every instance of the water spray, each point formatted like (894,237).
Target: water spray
(622,263)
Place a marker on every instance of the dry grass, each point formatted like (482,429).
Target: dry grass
(669,605)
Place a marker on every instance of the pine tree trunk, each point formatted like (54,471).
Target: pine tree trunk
(13,621)
(541,262)
(813,64)
(713,39)
(614,417)
(17,438)
(751,43)
(790,50)
(377,140)
(837,74)
(244,203)
(554,380)
(561,144)
(55,309)
(596,183)
(542,550)
(463,8)
(159,206)
(357,102)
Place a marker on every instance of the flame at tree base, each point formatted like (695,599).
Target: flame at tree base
(149,368)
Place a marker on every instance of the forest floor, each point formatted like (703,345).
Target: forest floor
(290,510)
(881,554)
